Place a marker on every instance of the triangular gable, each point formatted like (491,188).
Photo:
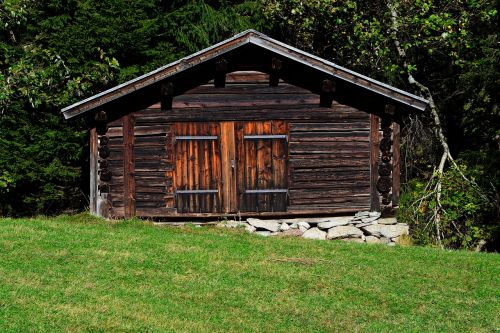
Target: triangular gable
(256,39)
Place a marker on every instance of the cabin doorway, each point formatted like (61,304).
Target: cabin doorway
(230,167)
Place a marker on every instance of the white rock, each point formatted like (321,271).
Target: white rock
(369,219)
(262,224)
(290,233)
(387,220)
(294,226)
(234,224)
(250,228)
(335,222)
(284,227)
(304,225)
(314,233)
(395,239)
(374,214)
(387,230)
(385,240)
(391,244)
(394,230)
(364,214)
(360,225)
(263,233)
(373,229)
(302,228)
(344,232)
(353,240)
(374,240)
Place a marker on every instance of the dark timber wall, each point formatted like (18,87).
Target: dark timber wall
(247,147)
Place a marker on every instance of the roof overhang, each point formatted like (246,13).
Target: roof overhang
(257,39)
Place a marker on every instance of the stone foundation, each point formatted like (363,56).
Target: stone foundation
(363,227)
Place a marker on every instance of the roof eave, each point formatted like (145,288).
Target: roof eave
(245,37)
(156,75)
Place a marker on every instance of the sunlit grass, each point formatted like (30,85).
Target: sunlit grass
(79,273)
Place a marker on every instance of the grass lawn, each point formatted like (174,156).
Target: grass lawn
(79,273)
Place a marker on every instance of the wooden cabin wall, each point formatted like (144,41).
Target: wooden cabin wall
(328,157)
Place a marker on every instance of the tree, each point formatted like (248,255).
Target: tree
(429,47)
(56,52)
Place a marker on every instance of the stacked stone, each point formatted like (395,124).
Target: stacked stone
(363,227)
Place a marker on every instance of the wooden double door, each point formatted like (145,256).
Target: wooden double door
(229,167)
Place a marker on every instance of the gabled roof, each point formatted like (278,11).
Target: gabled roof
(257,39)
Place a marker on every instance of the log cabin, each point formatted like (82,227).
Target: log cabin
(249,126)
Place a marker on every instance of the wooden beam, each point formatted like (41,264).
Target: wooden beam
(93,171)
(274,76)
(396,163)
(220,73)
(327,91)
(228,174)
(128,166)
(167,95)
(101,121)
(374,158)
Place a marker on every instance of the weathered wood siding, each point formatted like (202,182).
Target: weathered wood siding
(329,162)
(326,154)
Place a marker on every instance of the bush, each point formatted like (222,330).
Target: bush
(469,212)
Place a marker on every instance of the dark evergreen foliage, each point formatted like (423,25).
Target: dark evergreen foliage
(57,52)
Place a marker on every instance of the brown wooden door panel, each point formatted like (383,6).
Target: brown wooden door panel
(229,167)
(198,167)
(261,152)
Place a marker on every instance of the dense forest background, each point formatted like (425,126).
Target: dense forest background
(56,52)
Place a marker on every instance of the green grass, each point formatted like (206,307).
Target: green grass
(78,273)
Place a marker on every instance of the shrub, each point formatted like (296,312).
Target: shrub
(469,212)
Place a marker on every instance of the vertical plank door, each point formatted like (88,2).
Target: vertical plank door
(261,153)
(198,167)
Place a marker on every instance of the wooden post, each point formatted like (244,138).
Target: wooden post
(396,166)
(374,157)
(220,73)
(228,174)
(167,95)
(93,171)
(327,91)
(274,77)
(128,166)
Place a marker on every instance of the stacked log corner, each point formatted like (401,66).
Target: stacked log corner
(385,161)
(101,173)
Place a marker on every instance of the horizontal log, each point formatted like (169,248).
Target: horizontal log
(114,132)
(150,141)
(332,193)
(326,209)
(319,175)
(150,204)
(328,163)
(153,164)
(245,88)
(117,203)
(318,147)
(329,200)
(151,130)
(331,155)
(310,112)
(151,189)
(330,126)
(215,101)
(155,212)
(328,137)
(331,135)
(151,197)
(359,185)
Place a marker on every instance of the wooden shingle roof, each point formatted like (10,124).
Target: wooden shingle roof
(239,46)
